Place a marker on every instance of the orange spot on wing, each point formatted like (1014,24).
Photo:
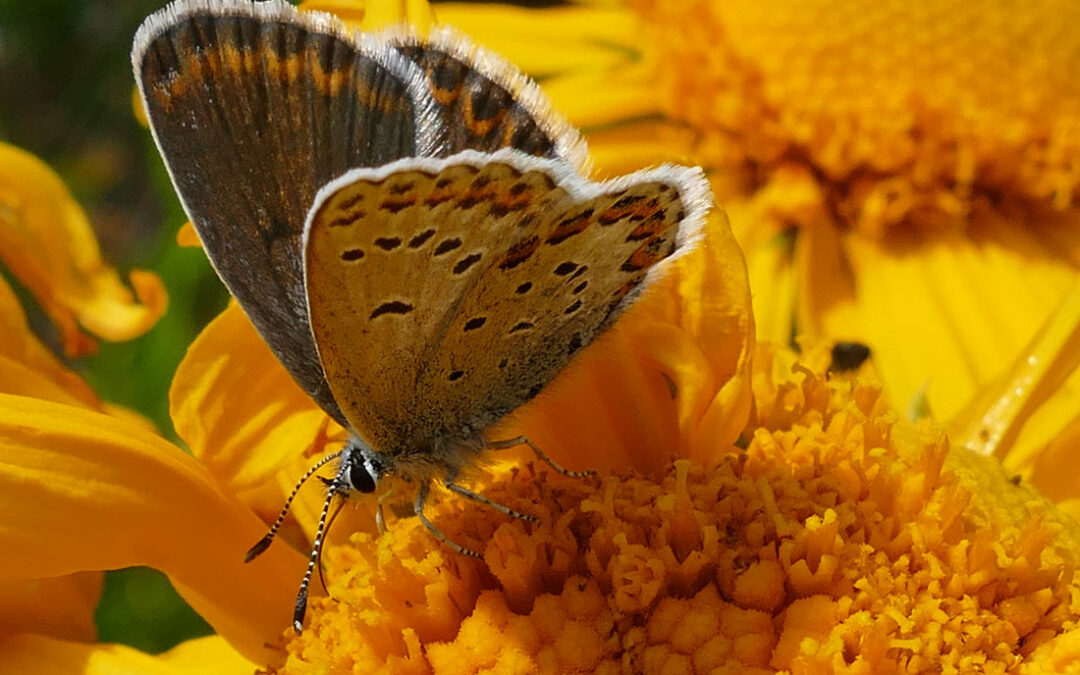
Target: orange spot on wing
(636,211)
(519,253)
(646,255)
(568,227)
(508,202)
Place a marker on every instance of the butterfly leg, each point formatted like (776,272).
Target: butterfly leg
(524,440)
(380,520)
(477,497)
(421,497)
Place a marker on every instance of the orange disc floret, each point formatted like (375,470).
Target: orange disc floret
(881,112)
(841,540)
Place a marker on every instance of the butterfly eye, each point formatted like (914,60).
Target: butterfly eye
(360,478)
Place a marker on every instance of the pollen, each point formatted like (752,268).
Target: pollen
(841,539)
(878,113)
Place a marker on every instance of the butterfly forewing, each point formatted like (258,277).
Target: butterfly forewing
(254,107)
(486,103)
(542,262)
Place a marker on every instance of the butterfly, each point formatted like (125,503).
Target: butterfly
(406,222)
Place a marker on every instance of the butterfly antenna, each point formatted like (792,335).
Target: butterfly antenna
(316,551)
(265,542)
(329,524)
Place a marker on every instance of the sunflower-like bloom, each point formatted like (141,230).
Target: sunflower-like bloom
(905,176)
(841,540)
(780,519)
(82,491)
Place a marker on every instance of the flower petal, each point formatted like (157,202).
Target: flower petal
(543,42)
(48,244)
(60,607)
(375,14)
(625,148)
(600,97)
(28,367)
(237,408)
(85,491)
(939,300)
(42,655)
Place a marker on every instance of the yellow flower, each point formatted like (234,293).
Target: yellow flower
(88,491)
(842,540)
(906,177)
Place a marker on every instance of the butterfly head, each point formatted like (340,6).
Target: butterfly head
(361,468)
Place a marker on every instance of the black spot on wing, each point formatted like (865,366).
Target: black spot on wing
(565,268)
(392,307)
(466,262)
(420,239)
(352,254)
(475,322)
(447,245)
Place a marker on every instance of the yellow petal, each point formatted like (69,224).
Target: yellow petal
(543,42)
(1028,417)
(237,408)
(772,278)
(596,98)
(84,491)
(47,656)
(670,379)
(375,14)
(48,244)
(625,148)
(28,367)
(953,316)
(60,607)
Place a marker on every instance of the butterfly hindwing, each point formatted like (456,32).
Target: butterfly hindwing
(254,107)
(389,255)
(543,261)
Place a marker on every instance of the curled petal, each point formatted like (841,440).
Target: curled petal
(28,367)
(48,244)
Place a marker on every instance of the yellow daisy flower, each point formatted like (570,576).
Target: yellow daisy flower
(902,176)
(840,538)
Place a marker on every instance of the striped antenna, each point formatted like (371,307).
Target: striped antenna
(264,543)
